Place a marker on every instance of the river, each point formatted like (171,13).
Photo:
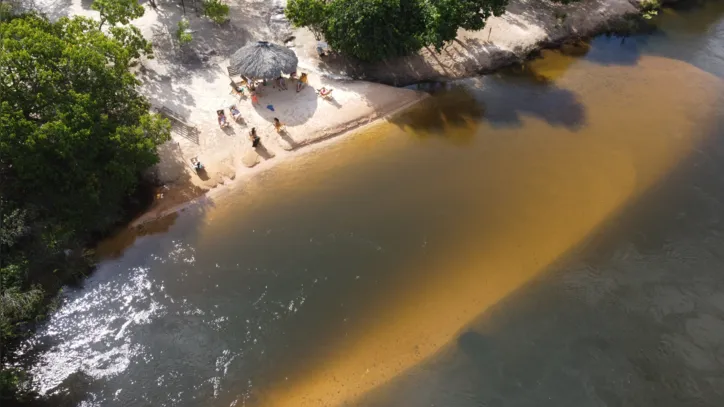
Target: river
(550,235)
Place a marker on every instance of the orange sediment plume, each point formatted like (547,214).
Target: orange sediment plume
(529,225)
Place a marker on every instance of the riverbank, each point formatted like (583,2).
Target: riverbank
(190,83)
(526,27)
(356,105)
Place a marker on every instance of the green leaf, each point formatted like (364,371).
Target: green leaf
(117,11)
(215,10)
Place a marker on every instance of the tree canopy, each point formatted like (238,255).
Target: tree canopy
(117,11)
(376,29)
(76,133)
(75,136)
(445,17)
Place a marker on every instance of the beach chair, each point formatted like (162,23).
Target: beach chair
(232,71)
(236,113)
(221,117)
(196,164)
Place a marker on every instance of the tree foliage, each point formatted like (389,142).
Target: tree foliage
(215,10)
(312,14)
(117,11)
(75,135)
(376,29)
(445,17)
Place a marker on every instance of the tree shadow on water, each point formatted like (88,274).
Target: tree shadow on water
(452,112)
(502,100)
(518,92)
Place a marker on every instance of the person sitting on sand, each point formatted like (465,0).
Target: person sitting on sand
(302,82)
(324,92)
(256,88)
(282,83)
(255,140)
(279,126)
(322,48)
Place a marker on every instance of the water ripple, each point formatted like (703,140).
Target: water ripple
(90,333)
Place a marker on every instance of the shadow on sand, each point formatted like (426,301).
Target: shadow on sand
(291,107)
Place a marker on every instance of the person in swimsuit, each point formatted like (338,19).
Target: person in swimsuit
(279,126)
(302,82)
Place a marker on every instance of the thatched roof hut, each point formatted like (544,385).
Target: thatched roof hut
(263,60)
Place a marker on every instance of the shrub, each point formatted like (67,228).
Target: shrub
(215,10)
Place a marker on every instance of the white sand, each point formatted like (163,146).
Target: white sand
(193,83)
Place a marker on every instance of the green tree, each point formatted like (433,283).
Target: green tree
(117,11)
(312,14)
(215,10)
(445,17)
(376,29)
(76,133)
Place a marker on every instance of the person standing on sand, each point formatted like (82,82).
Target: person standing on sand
(302,82)
(255,140)
(279,126)
(254,98)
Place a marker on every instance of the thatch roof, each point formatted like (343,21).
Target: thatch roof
(263,60)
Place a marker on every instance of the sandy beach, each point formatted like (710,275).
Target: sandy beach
(190,83)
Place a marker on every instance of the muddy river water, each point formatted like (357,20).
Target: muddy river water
(548,236)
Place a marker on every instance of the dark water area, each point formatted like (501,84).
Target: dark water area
(547,236)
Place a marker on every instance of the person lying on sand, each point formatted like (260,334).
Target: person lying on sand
(255,140)
(324,92)
(279,126)
(235,113)
(237,89)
